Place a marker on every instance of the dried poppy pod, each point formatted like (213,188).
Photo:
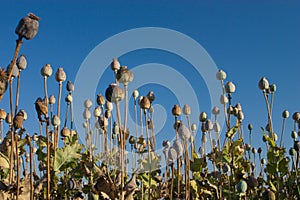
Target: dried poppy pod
(135,94)
(176,111)
(28,27)
(18,120)
(184,133)
(151,96)
(55,121)
(131,139)
(238,106)
(186,109)
(107,114)
(285,114)
(296,116)
(145,103)
(25,114)
(215,110)
(223,99)
(229,87)
(109,106)
(70,86)
(209,125)
(46,71)
(8,118)
(221,75)
(240,116)
(178,147)
(263,84)
(65,132)
(60,75)
(194,127)
(124,75)
(269,195)
(69,98)
(52,99)
(88,103)
(86,114)
(21,62)
(3,82)
(114,93)
(100,100)
(172,154)
(115,65)
(15,70)
(2,114)
(41,108)
(217,127)
(203,117)
(97,111)
(166,144)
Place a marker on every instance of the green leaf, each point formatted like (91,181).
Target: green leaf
(198,164)
(66,155)
(232,131)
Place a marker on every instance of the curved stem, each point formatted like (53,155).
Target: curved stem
(13,62)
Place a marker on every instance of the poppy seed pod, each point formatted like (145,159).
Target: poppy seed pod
(209,125)
(84,125)
(240,116)
(21,62)
(223,99)
(273,88)
(145,103)
(229,87)
(250,127)
(115,65)
(215,110)
(35,137)
(100,100)
(46,71)
(88,103)
(28,27)
(263,161)
(86,114)
(2,114)
(292,151)
(107,114)
(60,75)
(217,127)
(124,75)
(151,96)
(259,150)
(18,120)
(70,86)
(296,116)
(186,109)
(15,70)
(65,132)
(166,143)
(194,127)
(263,84)
(8,118)
(55,120)
(203,117)
(285,114)
(3,82)
(24,114)
(268,195)
(225,168)
(109,106)
(114,93)
(131,140)
(184,133)
(69,98)
(97,111)
(135,93)
(221,75)
(172,154)
(176,111)
(178,147)
(52,99)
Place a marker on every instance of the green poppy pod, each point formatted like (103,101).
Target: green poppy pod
(241,186)
(145,103)
(194,127)
(285,114)
(296,116)
(70,86)
(131,139)
(55,120)
(135,93)
(203,117)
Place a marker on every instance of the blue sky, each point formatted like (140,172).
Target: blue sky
(246,39)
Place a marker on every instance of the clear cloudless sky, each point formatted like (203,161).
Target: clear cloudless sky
(247,39)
